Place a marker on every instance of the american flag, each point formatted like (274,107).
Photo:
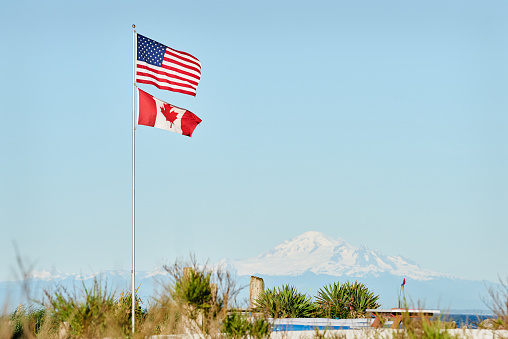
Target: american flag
(166,68)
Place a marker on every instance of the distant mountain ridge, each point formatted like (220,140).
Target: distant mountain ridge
(308,262)
(56,276)
(313,260)
(320,254)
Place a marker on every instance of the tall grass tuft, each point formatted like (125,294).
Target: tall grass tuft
(91,312)
(26,322)
(422,328)
(498,306)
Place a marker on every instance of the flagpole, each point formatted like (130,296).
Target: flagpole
(133,272)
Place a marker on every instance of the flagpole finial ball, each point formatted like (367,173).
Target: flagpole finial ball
(133,26)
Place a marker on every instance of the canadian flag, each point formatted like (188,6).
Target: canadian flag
(157,113)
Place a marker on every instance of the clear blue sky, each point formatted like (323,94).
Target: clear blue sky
(381,122)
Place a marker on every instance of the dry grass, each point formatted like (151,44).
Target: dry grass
(195,301)
(498,304)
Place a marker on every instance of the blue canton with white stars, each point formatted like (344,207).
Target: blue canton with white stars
(150,51)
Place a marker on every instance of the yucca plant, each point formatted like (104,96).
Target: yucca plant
(331,302)
(349,300)
(285,302)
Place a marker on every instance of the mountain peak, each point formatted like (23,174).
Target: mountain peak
(319,253)
(313,237)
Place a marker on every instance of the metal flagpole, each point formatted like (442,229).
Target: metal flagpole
(133,295)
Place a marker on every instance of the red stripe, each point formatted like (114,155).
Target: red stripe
(168,88)
(178,70)
(147,109)
(196,66)
(160,71)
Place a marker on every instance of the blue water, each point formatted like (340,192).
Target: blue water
(469,320)
(286,327)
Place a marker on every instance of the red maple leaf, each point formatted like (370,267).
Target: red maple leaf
(169,113)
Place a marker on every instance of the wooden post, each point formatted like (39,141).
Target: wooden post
(257,286)
(213,287)
(187,271)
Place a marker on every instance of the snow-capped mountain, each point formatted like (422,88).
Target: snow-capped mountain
(308,262)
(320,254)
(313,260)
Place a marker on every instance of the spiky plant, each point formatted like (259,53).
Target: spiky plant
(349,300)
(360,298)
(331,302)
(285,302)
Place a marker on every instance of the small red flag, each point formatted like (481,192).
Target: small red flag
(403,283)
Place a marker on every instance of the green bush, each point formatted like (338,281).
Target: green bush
(238,326)
(196,300)
(349,300)
(285,302)
(95,313)
(199,295)
(26,322)
(194,288)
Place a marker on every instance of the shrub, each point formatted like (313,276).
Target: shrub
(285,302)
(238,326)
(194,288)
(123,311)
(26,322)
(349,300)
(196,300)
(94,313)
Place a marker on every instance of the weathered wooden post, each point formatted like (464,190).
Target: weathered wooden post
(187,271)
(213,287)
(257,286)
